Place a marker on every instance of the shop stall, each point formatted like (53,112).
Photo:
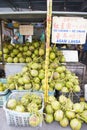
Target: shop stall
(45,84)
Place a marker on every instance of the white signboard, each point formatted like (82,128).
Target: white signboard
(69,30)
(70,55)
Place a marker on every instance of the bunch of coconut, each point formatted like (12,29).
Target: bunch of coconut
(29,102)
(25,53)
(65,112)
(32,75)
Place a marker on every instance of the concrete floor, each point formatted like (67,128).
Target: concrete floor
(53,126)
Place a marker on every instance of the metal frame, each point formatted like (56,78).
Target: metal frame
(38,14)
(28,17)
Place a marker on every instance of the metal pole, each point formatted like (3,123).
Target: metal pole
(2,42)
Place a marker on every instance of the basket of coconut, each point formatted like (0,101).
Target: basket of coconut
(24,109)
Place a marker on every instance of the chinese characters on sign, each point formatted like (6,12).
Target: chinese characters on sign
(69,30)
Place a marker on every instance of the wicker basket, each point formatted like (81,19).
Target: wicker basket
(18,118)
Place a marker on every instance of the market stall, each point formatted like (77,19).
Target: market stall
(40,69)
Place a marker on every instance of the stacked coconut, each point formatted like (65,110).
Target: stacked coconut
(65,112)
(32,77)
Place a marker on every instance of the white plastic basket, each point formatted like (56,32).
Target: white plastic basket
(19,118)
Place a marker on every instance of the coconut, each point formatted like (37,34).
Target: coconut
(41,52)
(34,120)
(55,75)
(52,56)
(34,73)
(49,118)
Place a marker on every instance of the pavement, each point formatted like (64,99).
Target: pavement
(52,126)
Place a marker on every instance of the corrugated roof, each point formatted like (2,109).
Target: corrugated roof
(58,5)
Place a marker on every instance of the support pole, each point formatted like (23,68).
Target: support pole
(48,32)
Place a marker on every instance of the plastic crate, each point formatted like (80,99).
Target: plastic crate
(75,97)
(18,118)
(78,68)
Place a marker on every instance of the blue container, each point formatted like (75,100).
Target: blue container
(4,94)
(50,93)
(3,80)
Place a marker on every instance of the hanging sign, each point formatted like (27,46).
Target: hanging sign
(26,29)
(69,30)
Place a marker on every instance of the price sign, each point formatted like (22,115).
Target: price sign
(69,30)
